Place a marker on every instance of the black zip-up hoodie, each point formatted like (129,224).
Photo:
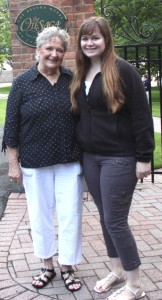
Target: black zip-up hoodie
(128,132)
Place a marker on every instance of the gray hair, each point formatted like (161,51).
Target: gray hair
(52,32)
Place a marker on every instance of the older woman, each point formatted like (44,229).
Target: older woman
(42,151)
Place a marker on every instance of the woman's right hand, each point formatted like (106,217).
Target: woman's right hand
(14,172)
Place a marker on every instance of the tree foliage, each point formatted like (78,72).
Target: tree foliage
(137,22)
(5,33)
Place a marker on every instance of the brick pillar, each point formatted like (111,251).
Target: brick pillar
(23,56)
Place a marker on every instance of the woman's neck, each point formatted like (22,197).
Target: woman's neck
(52,75)
(95,68)
(47,71)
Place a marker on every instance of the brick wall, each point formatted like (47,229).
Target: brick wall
(75,10)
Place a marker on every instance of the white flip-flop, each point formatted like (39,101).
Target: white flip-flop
(136,294)
(100,283)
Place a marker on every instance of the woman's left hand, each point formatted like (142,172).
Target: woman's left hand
(143,169)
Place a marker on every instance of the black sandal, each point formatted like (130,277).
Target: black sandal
(39,278)
(69,279)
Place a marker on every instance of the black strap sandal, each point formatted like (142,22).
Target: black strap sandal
(44,278)
(69,279)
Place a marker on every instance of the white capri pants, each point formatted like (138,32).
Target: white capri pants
(60,188)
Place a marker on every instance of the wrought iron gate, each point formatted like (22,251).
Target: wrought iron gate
(143,48)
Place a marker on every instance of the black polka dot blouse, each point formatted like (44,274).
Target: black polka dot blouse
(39,121)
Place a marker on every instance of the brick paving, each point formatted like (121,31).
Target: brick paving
(18,264)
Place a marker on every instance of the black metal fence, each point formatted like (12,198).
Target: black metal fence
(149,63)
(141,50)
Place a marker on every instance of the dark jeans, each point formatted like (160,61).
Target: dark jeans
(111,182)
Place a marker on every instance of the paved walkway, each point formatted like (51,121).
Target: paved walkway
(18,264)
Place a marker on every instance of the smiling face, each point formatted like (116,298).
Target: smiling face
(93,45)
(51,55)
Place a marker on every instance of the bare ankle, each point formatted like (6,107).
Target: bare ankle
(48,264)
(118,271)
(134,285)
(65,268)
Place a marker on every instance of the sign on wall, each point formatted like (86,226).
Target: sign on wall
(35,18)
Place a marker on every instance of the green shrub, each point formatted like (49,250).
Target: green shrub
(158,151)
(3,103)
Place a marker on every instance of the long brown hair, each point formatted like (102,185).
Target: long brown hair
(111,79)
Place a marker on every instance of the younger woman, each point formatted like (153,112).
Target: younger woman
(115,132)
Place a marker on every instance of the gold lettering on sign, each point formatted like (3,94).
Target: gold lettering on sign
(36,25)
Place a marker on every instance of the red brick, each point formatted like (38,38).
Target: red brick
(79,16)
(67,10)
(70,17)
(16,50)
(14,5)
(66,2)
(87,2)
(84,8)
(77,2)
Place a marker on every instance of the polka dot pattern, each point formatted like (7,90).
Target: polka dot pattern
(39,120)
